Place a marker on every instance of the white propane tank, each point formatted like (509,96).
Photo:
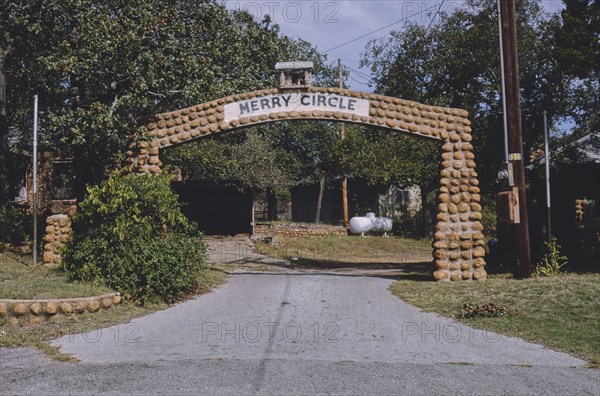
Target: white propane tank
(361,225)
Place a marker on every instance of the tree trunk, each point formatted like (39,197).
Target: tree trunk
(424,211)
(4,192)
(320,200)
(271,205)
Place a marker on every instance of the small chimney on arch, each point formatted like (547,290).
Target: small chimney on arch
(294,75)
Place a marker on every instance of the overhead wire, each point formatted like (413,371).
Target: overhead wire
(379,29)
(434,15)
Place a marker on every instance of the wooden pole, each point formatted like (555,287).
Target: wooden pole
(522,260)
(342,136)
(547,160)
(35,175)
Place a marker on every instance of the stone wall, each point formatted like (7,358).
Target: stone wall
(297,230)
(58,231)
(33,312)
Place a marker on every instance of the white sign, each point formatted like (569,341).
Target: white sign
(516,157)
(297,101)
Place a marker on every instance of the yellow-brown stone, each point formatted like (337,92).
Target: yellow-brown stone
(478,252)
(106,302)
(455,277)
(440,275)
(479,263)
(20,309)
(36,308)
(442,217)
(475,216)
(440,254)
(452,208)
(441,264)
(3,309)
(80,306)
(66,308)
(480,274)
(466,245)
(51,308)
(439,236)
(93,305)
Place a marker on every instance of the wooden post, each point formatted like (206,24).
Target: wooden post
(522,261)
(342,136)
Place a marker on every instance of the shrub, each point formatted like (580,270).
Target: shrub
(552,262)
(15,225)
(129,233)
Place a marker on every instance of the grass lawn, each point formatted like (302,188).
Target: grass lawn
(20,281)
(337,251)
(561,312)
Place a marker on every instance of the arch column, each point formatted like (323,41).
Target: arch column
(143,157)
(458,246)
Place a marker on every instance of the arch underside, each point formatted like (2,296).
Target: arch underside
(458,247)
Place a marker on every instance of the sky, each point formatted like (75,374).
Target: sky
(336,27)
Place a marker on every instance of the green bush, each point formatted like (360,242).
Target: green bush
(129,233)
(15,225)
(552,262)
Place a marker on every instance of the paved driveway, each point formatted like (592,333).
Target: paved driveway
(296,333)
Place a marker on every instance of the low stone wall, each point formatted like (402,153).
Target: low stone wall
(58,230)
(38,311)
(297,230)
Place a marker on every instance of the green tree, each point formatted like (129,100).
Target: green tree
(455,63)
(101,67)
(577,51)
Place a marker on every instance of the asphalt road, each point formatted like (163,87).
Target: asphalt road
(293,333)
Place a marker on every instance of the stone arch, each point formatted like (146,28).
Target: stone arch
(458,246)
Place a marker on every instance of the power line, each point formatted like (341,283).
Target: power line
(359,72)
(364,82)
(378,30)
(434,15)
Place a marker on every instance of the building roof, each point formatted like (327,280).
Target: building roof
(588,147)
(296,65)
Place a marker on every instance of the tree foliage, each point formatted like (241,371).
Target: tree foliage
(455,63)
(129,234)
(101,67)
(577,51)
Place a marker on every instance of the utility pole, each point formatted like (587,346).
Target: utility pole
(547,160)
(342,136)
(522,262)
(35,175)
